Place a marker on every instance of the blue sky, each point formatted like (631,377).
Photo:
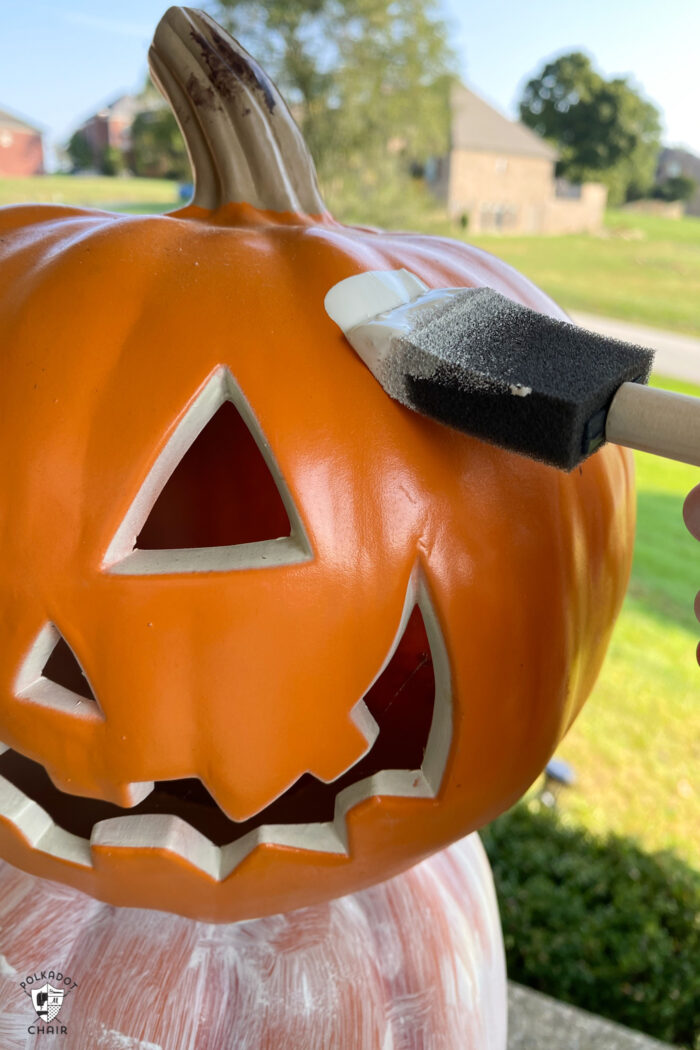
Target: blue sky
(60,60)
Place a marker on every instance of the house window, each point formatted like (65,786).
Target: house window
(5,139)
(498,217)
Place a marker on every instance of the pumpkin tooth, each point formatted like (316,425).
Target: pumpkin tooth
(137,791)
(322,838)
(156,831)
(365,722)
(174,835)
(38,828)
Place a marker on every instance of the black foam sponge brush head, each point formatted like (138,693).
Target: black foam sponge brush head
(483,364)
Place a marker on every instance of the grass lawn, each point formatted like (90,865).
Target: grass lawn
(645,269)
(642,268)
(98,191)
(636,745)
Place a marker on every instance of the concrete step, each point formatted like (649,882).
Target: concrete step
(537,1022)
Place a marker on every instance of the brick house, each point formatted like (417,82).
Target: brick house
(674,162)
(499,176)
(21,147)
(110,128)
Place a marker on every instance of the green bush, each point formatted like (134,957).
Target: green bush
(112,161)
(675,188)
(599,922)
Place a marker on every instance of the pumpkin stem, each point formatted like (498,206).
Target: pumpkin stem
(242,140)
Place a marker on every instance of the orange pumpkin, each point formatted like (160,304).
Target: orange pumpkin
(323,637)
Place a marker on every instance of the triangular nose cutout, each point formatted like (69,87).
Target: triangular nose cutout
(51,675)
(214,500)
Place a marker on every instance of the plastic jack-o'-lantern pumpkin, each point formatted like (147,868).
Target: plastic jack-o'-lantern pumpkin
(268,636)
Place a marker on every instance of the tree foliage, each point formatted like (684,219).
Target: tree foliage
(157,148)
(112,161)
(367,80)
(79,151)
(604,130)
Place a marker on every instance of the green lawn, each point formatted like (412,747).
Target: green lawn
(645,269)
(641,268)
(99,191)
(636,745)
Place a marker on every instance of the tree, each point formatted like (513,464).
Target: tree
(604,130)
(367,80)
(79,151)
(157,148)
(112,162)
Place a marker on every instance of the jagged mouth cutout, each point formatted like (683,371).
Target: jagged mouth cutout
(406,713)
(410,703)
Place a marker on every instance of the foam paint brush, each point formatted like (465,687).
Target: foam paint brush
(476,361)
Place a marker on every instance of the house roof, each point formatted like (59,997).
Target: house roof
(478,126)
(687,163)
(124,107)
(11,120)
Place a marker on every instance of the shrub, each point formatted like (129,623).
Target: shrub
(675,188)
(112,161)
(599,922)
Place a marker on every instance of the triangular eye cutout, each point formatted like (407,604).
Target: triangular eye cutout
(51,675)
(221,493)
(62,668)
(215,499)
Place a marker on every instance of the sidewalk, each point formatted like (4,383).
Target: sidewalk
(677,356)
(536,1022)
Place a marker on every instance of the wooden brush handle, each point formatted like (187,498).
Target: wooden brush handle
(656,421)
